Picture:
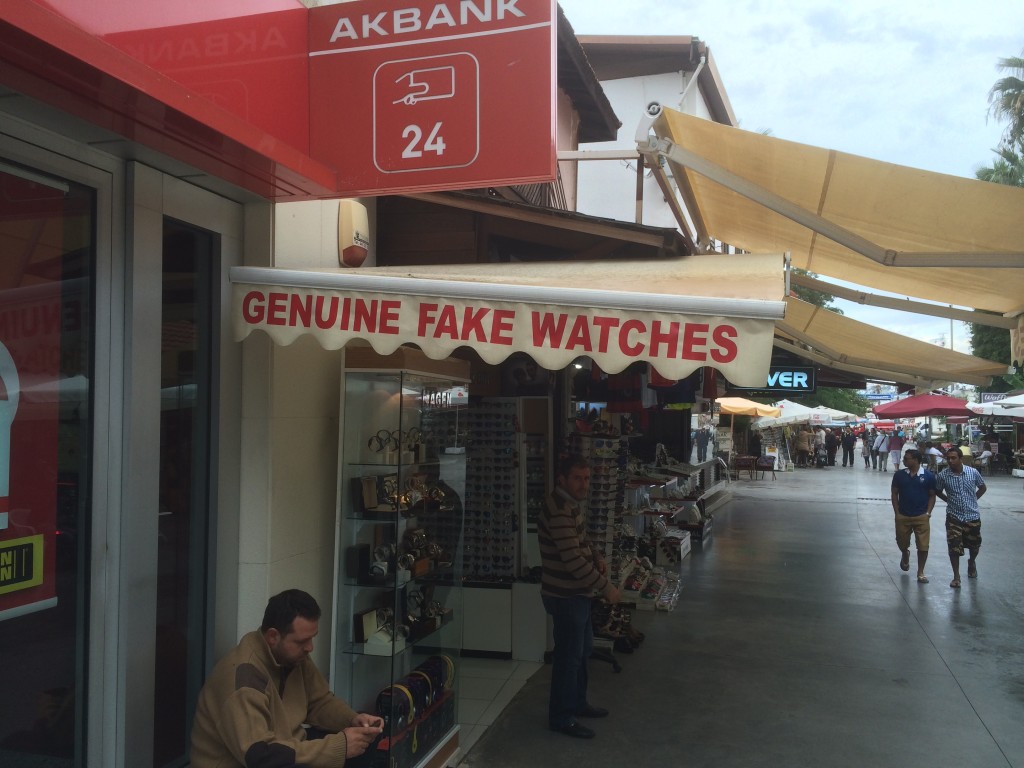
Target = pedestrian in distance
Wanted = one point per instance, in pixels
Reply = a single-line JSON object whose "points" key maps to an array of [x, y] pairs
{"points": [[804, 446], [831, 446], [703, 438], [848, 442], [895, 450], [865, 450], [882, 451], [961, 487], [755, 443], [913, 496]]}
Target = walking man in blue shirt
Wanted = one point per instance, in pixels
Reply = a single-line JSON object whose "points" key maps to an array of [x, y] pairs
{"points": [[961, 487], [913, 496]]}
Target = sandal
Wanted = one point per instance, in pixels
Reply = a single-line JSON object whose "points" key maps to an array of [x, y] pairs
{"points": [[905, 562], [972, 573], [922, 579], [955, 583]]}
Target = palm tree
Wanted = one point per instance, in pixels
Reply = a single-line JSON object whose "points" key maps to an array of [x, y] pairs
{"points": [[1007, 168], [1006, 100]]}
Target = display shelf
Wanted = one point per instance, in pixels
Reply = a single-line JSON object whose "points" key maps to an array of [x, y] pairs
{"points": [[397, 646], [398, 618]]}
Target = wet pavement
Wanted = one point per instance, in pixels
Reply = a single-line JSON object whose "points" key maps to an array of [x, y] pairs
{"points": [[798, 641]]}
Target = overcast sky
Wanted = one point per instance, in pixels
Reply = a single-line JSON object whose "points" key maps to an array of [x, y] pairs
{"points": [[906, 81]]}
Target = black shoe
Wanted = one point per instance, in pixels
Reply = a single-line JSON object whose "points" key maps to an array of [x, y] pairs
{"points": [[591, 711], [574, 729]]}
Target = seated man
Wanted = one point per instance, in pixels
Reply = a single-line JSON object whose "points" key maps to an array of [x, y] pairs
{"points": [[933, 455], [251, 710]]}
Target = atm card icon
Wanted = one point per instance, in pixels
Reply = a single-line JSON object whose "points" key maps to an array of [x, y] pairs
{"points": [[427, 85], [426, 113]]}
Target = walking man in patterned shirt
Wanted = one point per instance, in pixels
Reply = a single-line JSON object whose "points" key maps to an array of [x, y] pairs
{"points": [[572, 571], [961, 487]]}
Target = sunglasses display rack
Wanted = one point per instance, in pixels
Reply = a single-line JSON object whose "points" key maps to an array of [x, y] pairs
{"points": [[400, 600], [607, 457], [492, 482]]}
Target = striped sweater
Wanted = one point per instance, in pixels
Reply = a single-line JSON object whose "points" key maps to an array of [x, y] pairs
{"points": [[568, 562]]}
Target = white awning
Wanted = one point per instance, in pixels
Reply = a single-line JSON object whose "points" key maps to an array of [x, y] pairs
{"points": [[677, 314]]}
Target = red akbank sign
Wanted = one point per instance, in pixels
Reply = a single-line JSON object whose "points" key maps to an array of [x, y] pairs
{"points": [[408, 95], [552, 335]]}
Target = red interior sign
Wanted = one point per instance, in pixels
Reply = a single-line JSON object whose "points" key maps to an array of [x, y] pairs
{"points": [[417, 95]]}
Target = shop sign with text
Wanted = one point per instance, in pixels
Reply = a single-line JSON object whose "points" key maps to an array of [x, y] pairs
{"points": [[552, 335], [417, 95], [785, 379]]}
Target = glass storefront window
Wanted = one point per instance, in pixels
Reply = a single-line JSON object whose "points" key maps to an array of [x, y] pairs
{"points": [[46, 266], [47, 261], [189, 266]]}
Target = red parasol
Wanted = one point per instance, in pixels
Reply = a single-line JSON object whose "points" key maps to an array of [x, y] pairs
{"points": [[923, 405]]}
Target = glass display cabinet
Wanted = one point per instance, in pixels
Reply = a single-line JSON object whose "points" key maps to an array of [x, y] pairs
{"points": [[398, 618]]}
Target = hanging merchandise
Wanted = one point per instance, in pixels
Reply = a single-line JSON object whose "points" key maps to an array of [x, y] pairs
{"points": [[678, 394], [625, 392]]}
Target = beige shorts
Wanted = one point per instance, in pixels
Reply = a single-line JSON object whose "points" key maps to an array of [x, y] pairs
{"points": [[919, 525]]}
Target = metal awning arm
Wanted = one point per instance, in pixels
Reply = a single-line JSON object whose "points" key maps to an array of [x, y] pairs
{"points": [[904, 305]]}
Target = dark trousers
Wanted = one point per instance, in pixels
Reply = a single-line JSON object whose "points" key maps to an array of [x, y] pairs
{"points": [[574, 641], [874, 459], [847, 455]]}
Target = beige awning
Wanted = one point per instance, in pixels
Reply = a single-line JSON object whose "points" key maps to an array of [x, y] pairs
{"points": [[677, 314], [851, 218], [849, 345]]}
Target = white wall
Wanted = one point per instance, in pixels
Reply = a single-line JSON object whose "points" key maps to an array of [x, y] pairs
{"points": [[290, 426], [608, 187]]}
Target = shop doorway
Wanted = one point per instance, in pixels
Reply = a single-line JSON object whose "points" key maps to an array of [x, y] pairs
{"points": [[189, 266]]}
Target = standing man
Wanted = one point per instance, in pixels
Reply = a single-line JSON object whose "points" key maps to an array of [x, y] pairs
{"points": [[849, 442], [571, 572], [804, 446], [881, 448], [831, 445], [254, 703], [703, 437], [754, 445], [961, 487], [895, 449], [913, 496]]}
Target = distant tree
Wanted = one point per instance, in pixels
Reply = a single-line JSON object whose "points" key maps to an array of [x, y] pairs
{"points": [[840, 399], [1006, 100], [1007, 168], [994, 344], [811, 296]]}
